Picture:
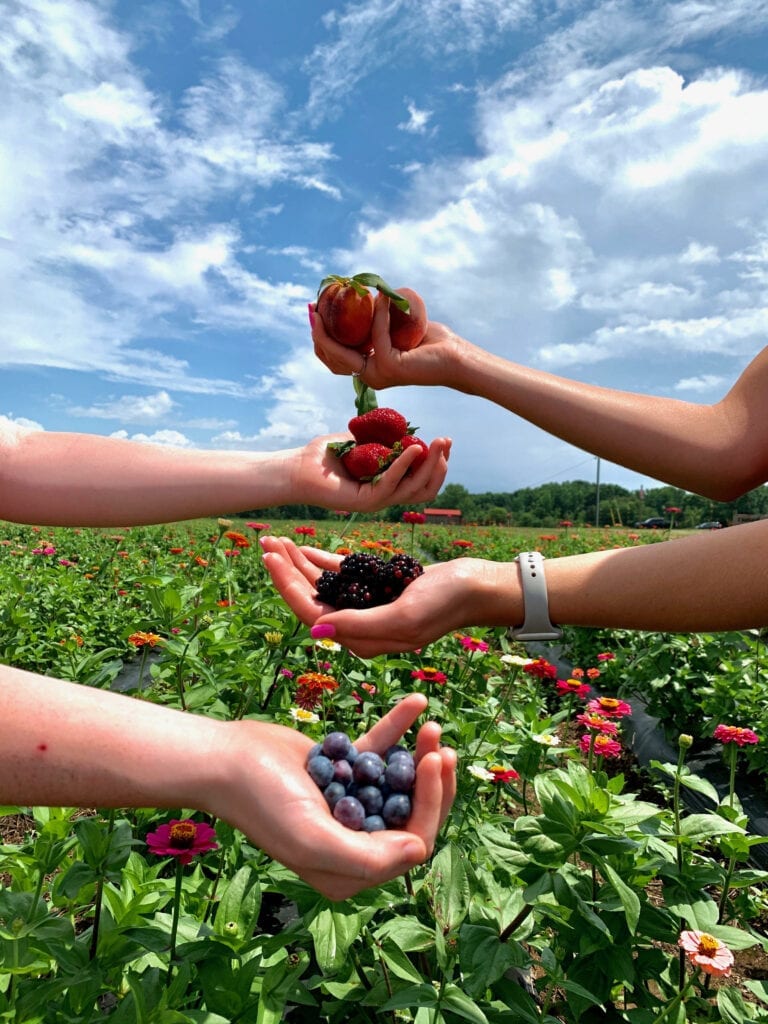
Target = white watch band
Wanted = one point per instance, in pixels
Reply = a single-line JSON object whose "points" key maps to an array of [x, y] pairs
{"points": [[536, 624]]}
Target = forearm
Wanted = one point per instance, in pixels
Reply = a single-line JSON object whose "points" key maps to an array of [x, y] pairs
{"points": [[688, 445], [66, 479], [64, 744], [694, 584]]}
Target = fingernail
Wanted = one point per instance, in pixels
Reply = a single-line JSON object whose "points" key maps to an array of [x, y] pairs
{"points": [[322, 631], [311, 311]]}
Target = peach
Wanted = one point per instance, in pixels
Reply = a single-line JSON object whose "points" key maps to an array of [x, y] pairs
{"points": [[407, 330], [347, 312]]}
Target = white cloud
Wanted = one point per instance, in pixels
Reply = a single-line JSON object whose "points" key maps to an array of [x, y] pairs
{"points": [[418, 120], [172, 438], [130, 408], [703, 384]]}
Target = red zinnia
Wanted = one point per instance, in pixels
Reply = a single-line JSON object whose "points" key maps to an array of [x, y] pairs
{"points": [[541, 668], [310, 689], [305, 531], [574, 686], [472, 644], [606, 656], [414, 517], [503, 774], [430, 675], [258, 526], [463, 544], [182, 839], [142, 639]]}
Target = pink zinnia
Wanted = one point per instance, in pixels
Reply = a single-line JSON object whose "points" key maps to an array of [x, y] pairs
{"points": [[574, 686], [736, 734], [707, 952], [182, 839], [597, 722], [472, 644], [610, 707], [258, 526], [606, 656], [414, 517], [604, 746]]}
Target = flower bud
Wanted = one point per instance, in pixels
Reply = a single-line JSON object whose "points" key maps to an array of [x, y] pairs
{"points": [[684, 741]]}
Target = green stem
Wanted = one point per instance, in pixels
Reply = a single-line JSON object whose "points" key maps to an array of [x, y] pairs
{"points": [[175, 921], [732, 779], [98, 898]]}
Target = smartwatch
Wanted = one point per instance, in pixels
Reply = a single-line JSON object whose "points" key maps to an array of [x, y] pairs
{"points": [[536, 624]]}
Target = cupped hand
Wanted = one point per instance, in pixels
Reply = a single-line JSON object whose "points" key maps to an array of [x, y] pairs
{"points": [[434, 361], [269, 796], [320, 478], [442, 599]]}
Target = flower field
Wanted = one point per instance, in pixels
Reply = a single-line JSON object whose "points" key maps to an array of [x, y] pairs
{"points": [[567, 886]]}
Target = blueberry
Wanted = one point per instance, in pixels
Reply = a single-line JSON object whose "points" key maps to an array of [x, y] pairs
{"points": [[401, 755], [352, 754], [368, 768], [321, 770], [400, 775], [350, 812], [333, 792], [314, 751], [336, 745], [342, 772], [391, 751], [371, 799], [396, 811], [374, 823]]}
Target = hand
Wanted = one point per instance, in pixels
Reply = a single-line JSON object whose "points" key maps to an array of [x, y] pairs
{"points": [[435, 361], [448, 596], [268, 794], [320, 478]]}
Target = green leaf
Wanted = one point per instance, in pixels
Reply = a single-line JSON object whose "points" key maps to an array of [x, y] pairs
{"points": [[374, 281], [458, 1002], [239, 906], [629, 898], [733, 1009], [399, 964], [704, 826], [408, 934], [365, 397], [450, 888], [484, 958], [333, 931]]}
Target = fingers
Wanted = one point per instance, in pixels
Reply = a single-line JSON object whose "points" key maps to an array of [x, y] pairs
{"points": [[399, 486], [389, 730]]}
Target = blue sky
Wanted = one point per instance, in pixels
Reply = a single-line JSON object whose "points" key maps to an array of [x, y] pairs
{"points": [[579, 186]]}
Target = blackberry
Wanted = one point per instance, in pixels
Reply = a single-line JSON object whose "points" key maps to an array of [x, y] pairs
{"points": [[359, 594], [399, 571], [327, 586], [361, 566]]}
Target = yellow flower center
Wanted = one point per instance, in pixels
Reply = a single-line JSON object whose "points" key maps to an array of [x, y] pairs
{"points": [[182, 835], [708, 944], [609, 702]]}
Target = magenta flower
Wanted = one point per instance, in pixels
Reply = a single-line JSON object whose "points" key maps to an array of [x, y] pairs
{"points": [[597, 722], [182, 839], [574, 686], [602, 744], [735, 734], [414, 517], [610, 707], [472, 644]]}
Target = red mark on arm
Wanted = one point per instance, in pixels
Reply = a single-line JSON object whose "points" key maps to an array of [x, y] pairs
{"points": [[42, 746]]}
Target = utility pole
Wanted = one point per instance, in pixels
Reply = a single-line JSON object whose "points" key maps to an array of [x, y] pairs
{"points": [[597, 494]]}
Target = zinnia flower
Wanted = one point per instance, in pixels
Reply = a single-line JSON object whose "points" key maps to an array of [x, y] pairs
{"points": [[301, 715], [546, 739], [258, 526], [574, 686], [501, 775], [604, 746], [515, 659], [310, 688], [414, 517], [305, 531], [182, 839], [593, 673], [606, 656], [542, 669], [472, 644], [707, 952], [610, 707], [142, 639], [463, 544], [480, 773], [597, 722], [428, 674], [238, 539], [735, 734]]}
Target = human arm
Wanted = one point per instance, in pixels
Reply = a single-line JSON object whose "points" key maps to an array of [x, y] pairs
{"points": [[64, 744], [691, 584], [61, 479], [718, 450]]}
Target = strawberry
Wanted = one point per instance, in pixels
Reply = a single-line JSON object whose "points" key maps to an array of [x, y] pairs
{"points": [[366, 461], [407, 442], [383, 425]]}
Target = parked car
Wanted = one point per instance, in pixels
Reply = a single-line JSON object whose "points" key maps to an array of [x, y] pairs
{"points": [[654, 523], [710, 526]]}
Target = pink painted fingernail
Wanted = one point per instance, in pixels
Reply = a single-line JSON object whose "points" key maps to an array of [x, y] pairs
{"points": [[322, 631], [311, 311]]}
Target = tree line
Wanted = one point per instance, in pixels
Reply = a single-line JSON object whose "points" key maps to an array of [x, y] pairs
{"points": [[550, 504]]}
